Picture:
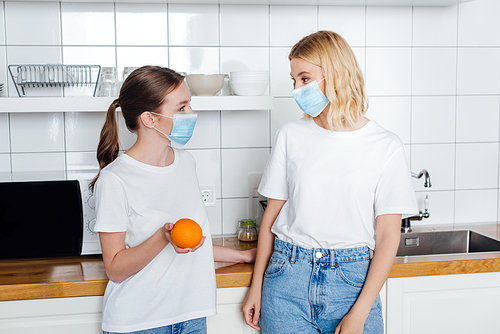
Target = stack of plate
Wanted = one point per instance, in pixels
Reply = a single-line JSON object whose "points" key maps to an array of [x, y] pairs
{"points": [[249, 83], [1, 88]]}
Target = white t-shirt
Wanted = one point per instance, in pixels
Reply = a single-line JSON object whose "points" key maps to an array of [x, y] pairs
{"points": [[336, 183], [138, 199]]}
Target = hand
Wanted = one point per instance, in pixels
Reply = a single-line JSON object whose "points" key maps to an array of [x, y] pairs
{"points": [[251, 308], [249, 255], [351, 324], [167, 228]]}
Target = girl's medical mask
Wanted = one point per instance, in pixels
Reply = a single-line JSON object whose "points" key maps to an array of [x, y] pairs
{"points": [[310, 98], [183, 127]]}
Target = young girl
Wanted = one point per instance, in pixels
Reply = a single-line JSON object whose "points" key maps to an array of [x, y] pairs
{"points": [[338, 185], [155, 286]]}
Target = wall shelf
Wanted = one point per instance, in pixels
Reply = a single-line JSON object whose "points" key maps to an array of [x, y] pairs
{"points": [[101, 104]]}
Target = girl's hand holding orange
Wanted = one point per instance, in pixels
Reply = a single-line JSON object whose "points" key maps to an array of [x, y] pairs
{"points": [[185, 235]]}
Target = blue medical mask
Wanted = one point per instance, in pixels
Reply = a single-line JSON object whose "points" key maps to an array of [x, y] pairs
{"points": [[183, 127], [310, 98]]}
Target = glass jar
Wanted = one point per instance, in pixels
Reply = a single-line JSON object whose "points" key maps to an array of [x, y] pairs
{"points": [[247, 230]]}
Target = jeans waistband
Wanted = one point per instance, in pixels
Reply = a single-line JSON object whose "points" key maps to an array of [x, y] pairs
{"points": [[320, 254]]}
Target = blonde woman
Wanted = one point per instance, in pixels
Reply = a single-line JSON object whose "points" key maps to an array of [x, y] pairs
{"points": [[338, 185]]}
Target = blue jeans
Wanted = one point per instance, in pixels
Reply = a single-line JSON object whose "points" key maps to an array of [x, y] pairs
{"points": [[311, 290], [195, 326]]}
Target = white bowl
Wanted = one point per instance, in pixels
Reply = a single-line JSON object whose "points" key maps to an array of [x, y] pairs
{"points": [[205, 84], [248, 88]]}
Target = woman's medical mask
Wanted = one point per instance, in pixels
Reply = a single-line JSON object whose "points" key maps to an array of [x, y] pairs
{"points": [[183, 127], [310, 98]]}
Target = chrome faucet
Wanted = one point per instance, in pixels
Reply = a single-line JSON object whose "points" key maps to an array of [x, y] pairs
{"points": [[406, 222]]}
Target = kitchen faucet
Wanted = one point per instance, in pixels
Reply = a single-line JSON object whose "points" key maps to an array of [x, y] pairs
{"points": [[406, 222]]}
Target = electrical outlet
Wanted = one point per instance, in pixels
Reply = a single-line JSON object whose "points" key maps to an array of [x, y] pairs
{"points": [[207, 194]]}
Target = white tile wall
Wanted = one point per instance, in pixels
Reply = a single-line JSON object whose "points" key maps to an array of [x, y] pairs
{"points": [[432, 75]]}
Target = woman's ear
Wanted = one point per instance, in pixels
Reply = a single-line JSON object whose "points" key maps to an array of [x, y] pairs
{"points": [[147, 119]]}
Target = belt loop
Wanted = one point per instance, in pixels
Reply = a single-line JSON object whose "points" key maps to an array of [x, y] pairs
{"points": [[294, 251], [332, 258]]}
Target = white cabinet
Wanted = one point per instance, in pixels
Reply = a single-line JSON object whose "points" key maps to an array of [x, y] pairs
{"points": [[82, 315], [78, 315], [229, 318], [456, 304]]}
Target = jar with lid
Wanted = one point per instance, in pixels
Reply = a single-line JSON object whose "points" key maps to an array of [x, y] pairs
{"points": [[247, 230]]}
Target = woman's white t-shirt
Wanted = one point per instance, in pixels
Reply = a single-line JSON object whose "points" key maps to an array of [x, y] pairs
{"points": [[336, 183], [138, 199]]}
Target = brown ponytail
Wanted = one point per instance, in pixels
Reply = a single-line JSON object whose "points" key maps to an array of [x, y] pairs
{"points": [[144, 89]]}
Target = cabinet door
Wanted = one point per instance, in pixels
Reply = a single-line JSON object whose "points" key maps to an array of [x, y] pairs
{"points": [[229, 318], [78, 315], [444, 304]]}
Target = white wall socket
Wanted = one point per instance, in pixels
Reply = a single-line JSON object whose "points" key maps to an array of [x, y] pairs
{"points": [[208, 196]]}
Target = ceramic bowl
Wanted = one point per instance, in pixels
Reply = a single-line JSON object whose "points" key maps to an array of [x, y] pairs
{"points": [[205, 84]]}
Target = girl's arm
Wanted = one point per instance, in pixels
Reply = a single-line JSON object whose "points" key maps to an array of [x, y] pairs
{"points": [[226, 254], [386, 247], [265, 247], [120, 262]]}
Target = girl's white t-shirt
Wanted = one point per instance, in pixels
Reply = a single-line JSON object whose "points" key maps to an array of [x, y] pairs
{"points": [[138, 199], [336, 183]]}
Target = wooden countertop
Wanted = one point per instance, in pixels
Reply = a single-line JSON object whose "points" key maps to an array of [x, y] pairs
{"points": [[85, 276]]}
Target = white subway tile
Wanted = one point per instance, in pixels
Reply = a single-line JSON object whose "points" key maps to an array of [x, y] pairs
{"points": [[208, 169], [246, 128], [88, 23], [37, 132], [18, 55], [478, 71], [234, 210], [285, 110], [238, 167], [289, 24], [244, 25], [360, 54], [194, 60], [5, 76], [2, 26], [4, 133], [347, 21], [5, 175], [439, 161], [433, 119], [388, 26], [207, 131], [90, 55], [193, 25], [435, 26], [81, 165], [281, 82], [476, 206], [215, 217], [393, 114], [83, 130], [140, 56], [434, 71], [477, 166], [127, 138], [32, 23], [38, 166], [141, 24], [441, 208], [244, 59], [477, 118], [478, 23], [388, 71]]}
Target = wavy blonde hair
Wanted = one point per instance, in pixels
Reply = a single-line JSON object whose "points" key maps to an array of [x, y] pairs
{"points": [[345, 87]]}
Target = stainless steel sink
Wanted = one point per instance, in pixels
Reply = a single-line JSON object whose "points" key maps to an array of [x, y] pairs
{"points": [[446, 242]]}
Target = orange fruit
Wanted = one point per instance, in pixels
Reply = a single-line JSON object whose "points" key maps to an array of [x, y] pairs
{"points": [[186, 233]]}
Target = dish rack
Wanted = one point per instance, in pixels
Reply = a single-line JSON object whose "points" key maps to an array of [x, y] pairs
{"points": [[57, 75]]}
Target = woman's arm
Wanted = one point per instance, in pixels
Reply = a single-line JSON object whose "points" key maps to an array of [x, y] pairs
{"points": [[120, 262], [265, 247], [386, 247], [226, 254]]}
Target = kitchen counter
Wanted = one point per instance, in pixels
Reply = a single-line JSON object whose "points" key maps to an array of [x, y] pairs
{"points": [[85, 276]]}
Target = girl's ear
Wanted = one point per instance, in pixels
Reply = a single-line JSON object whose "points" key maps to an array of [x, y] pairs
{"points": [[147, 119]]}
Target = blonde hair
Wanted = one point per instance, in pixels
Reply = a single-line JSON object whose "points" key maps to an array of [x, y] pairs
{"points": [[345, 87]]}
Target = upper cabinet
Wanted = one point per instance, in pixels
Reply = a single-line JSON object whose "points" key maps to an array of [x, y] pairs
{"points": [[435, 3]]}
